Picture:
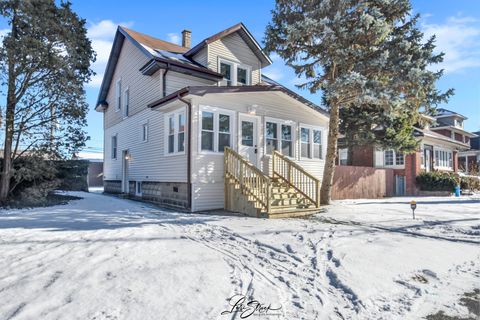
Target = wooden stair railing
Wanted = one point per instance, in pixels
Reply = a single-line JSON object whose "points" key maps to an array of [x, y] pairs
{"points": [[297, 177], [252, 181]]}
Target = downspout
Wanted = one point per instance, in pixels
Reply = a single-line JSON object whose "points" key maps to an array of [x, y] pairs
{"points": [[189, 151], [164, 82]]}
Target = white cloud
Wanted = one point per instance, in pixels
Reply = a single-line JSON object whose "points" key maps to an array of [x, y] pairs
{"points": [[101, 34], [274, 73], [174, 38], [459, 39]]}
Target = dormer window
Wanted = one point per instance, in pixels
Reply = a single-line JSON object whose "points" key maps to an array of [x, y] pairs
{"points": [[234, 74], [226, 71]]}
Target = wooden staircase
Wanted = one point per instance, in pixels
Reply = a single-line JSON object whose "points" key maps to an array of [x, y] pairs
{"points": [[290, 192]]}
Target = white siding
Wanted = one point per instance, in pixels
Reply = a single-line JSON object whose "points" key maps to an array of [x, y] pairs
{"points": [[232, 47], [202, 57], [176, 81], [143, 89], [148, 162], [207, 169]]}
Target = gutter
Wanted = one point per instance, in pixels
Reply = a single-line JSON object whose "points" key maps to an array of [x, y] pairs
{"points": [[189, 150], [164, 81]]}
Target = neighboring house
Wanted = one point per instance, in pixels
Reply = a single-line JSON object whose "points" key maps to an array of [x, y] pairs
{"points": [[170, 111], [438, 151], [469, 161]]}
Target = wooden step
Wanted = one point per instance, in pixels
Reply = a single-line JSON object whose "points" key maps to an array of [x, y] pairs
{"points": [[297, 213]]}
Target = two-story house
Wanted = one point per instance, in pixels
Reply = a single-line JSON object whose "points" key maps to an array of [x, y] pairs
{"points": [[202, 128], [469, 161], [438, 150]]}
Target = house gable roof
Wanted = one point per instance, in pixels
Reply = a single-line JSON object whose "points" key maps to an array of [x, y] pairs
{"points": [[162, 54], [246, 36]]}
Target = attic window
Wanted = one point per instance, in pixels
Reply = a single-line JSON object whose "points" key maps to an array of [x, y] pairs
{"points": [[226, 71], [234, 74]]}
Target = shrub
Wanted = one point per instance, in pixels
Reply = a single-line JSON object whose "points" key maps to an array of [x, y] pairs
{"points": [[470, 183], [437, 181]]}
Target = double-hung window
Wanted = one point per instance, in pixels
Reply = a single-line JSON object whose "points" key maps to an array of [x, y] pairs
{"points": [[126, 102], [317, 144], [389, 158], [393, 158], [234, 73], [305, 142], [311, 142], [287, 140], [216, 128], [118, 95], [114, 147], [279, 136], [271, 136], [175, 132]]}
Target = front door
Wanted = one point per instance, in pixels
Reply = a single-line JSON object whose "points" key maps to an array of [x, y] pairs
{"points": [[125, 182], [428, 158], [248, 144]]}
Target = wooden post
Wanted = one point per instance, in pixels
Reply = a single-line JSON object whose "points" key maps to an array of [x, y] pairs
{"points": [[289, 173], [225, 187], [273, 163], [269, 192], [318, 194]]}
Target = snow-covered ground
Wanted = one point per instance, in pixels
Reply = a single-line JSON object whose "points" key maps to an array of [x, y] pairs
{"points": [[107, 258]]}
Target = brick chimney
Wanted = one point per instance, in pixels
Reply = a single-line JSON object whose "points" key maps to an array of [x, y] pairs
{"points": [[186, 35]]}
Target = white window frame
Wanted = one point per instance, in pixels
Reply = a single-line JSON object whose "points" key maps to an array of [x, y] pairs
{"points": [[114, 155], [144, 132], [137, 184], [444, 160], [175, 114], [216, 112], [395, 164], [322, 144], [126, 102], [235, 66], [118, 95], [279, 123]]}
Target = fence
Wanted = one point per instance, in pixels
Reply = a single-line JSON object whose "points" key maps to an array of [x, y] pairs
{"points": [[351, 182]]}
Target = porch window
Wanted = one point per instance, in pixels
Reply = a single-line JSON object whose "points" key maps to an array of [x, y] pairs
{"points": [[223, 131], [181, 132], [216, 129], [444, 159], [287, 140], [317, 144], [171, 134], [305, 142], [272, 137], [114, 147], [207, 131], [175, 129]]}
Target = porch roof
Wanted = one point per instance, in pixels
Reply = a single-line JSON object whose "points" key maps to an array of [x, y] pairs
{"points": [[436, 136], [203, 90]]}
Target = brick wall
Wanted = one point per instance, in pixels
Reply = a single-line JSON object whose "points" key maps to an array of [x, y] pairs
{"points": [[444, 132], [458, 137], [412, 169], [362, 156]]}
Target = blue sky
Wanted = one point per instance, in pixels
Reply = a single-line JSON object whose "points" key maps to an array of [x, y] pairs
{"points": [[456, 24]]}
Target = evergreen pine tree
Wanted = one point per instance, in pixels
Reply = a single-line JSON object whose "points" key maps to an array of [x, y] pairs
{"points": [[367, 59]]}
